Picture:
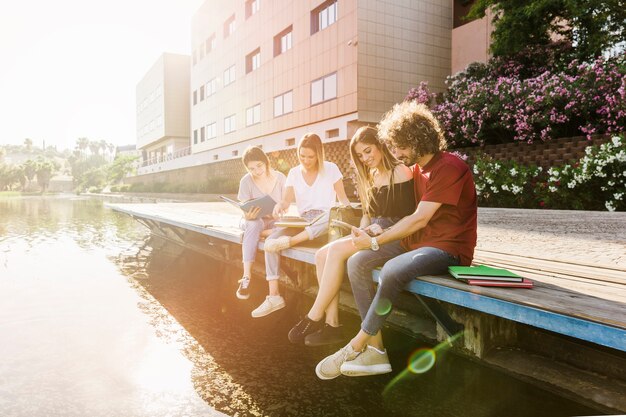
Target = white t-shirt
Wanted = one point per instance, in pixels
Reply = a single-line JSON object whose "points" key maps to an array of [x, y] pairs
{"points": [[319, 196]]}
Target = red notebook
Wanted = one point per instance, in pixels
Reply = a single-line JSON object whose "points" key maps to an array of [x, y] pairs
{"points": [[526, 283]]}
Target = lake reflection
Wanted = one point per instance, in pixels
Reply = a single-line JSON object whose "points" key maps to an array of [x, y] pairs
{"points": [[99, 319]]}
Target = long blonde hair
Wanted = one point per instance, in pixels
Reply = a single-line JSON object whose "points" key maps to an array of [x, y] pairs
{"points": [[313, 142], [368, 135]]}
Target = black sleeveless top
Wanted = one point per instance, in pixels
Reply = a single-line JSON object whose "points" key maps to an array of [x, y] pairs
{"points": [[398, 203]]}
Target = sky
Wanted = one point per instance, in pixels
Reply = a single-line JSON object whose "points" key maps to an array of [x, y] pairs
{"points": [[69, 68]]}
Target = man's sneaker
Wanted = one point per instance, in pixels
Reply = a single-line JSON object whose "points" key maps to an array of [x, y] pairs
{"points": [[369, 362], [327, 335], [271, 304], [330, 366], [243, 292], [276, 245], [305, 327]]}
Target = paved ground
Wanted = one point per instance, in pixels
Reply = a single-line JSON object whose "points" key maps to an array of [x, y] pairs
{"points": [[577, 237]]}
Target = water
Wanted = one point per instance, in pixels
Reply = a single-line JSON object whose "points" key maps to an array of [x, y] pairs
{"points": [[99, 319]]}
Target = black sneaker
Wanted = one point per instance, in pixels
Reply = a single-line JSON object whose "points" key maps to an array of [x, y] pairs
{"points": [[243, 292], [303, 328], [327, 335]]}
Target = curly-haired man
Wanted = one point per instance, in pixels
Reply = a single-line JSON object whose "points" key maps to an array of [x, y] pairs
{"points": [[441, 232]]}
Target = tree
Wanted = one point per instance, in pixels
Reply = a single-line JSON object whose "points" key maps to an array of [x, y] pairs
{"points": [[45, 169], [94, 147], [28, 144], [30, 169], [591, 26], [82, 144], [120, 167]]}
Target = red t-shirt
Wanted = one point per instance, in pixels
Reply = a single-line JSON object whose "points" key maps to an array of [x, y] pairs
{"points": [[447, 180]]}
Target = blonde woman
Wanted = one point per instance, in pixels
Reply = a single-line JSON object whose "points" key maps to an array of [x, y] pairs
{"points": [[260, 180], [314, 185], [386, 190]]}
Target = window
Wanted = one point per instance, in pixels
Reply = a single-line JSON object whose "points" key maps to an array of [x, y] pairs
{"points": [[229, 124], [323, 16], [202, 134], [253, 60], [324, 89], [201, 93], [253, 115], [211, 131], [229, 26], [332, 133], [195, 137], [283, 104], [210, 43], [282, 41], [252, 6], [195, 97], [229, 75], [211, 87]]}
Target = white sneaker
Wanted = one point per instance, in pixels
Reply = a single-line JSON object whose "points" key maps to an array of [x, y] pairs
{"points": [[369, 362], [271, 304], [330, 366], [276, 245]]}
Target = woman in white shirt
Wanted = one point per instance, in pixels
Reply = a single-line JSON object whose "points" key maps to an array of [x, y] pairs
{"points": [[260, 180], [314, 185]]}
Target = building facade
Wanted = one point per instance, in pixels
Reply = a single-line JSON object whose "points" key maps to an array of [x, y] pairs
{"points": [[163, 110], [267, 72]]}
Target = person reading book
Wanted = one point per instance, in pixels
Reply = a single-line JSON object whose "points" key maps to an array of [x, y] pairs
{"points": [[314, 185], [260, 180], [440, 233], [385, 187]]}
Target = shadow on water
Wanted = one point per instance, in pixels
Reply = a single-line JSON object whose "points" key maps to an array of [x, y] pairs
{"points": [[247, 366]]}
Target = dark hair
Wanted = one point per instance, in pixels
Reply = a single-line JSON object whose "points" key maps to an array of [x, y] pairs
{"points": [[254, 153]]}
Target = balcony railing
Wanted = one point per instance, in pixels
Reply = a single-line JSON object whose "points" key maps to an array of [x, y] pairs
{"points": [[167, 157]]}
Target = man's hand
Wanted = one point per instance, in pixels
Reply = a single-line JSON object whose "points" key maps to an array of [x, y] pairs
{"points": [[373, 229], [360, 239], [253, 213]]}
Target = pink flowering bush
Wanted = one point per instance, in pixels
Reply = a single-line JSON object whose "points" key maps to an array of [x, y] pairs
{"points": [[536, 95]]}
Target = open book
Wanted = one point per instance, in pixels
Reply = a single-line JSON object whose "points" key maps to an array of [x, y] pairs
{"points": [[307, 219], [265, 203]]}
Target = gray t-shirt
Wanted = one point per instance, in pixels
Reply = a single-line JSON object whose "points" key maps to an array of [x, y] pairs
{"points": [[248, 189]]}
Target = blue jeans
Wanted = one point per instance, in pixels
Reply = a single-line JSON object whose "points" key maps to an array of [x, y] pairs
{"points": [[399, 268]]}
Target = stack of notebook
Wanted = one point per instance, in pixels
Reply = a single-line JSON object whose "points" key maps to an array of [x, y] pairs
{"points": [[489, 277]]}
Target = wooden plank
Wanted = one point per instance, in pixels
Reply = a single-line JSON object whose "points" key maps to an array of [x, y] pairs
{"points": [[581, 294], [602, 334]]}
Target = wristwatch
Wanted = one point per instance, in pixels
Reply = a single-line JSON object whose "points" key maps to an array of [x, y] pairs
{"points": [[374, 244]]}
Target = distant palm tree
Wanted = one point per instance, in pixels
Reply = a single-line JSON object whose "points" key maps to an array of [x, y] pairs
{"points": [[94, 147], [82, 144], [28, 143]]}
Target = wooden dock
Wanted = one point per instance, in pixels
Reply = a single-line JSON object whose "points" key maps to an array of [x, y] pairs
{"points": [[582, 302]]}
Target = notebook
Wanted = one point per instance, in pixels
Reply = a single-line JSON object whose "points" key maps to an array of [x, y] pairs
{"points": [[525, 283], [307, 219], [265, 203], [484, 272]]}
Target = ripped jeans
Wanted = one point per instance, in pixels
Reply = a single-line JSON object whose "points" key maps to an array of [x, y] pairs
{"points": [[399, 268]]}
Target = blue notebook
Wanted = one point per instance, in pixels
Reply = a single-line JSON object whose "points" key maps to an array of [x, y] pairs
{"points": [[265, 203]]}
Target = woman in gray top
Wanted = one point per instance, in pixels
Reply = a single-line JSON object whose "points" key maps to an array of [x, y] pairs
{"points": [[260, 180]]}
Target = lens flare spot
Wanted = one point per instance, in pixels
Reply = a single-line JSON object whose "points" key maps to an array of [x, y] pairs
{"points": [[422, 361], [383, 307]]}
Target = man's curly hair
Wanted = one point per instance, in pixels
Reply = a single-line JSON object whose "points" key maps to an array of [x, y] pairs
{"points": [[412, 125]]}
